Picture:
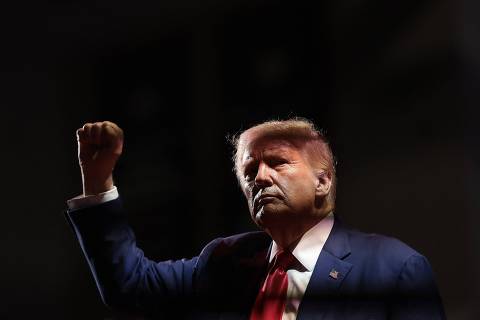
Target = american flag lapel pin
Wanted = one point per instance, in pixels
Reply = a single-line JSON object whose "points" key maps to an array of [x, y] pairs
{"points": [[334, 274]]}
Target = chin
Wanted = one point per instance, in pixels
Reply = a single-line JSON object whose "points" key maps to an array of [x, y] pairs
{"points": [[267, 218]]}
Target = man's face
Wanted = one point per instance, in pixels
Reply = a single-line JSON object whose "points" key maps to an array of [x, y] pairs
{"points": [[278, 182]]}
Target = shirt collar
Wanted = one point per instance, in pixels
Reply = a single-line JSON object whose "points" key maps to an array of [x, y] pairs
{"points": [[311, 243]]}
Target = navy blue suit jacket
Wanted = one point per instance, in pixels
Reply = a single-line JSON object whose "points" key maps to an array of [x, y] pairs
{"points": [[378, 277]]}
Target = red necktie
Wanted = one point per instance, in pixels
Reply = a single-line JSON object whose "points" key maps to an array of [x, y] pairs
{"points": [[271, 299]]}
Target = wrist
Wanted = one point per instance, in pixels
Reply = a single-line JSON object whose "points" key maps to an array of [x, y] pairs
{"points": [[91, 188]]}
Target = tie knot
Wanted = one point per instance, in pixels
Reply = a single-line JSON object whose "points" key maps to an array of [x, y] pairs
{"points": [[284, 260]]}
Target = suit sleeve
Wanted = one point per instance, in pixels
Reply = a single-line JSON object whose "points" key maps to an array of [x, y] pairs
{"points": [[125, 278], [417, 296]]}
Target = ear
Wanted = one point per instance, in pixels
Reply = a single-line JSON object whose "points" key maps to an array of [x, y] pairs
{"points": [[324, 183]]}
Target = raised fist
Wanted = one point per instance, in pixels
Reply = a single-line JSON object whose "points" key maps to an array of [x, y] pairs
{"points": [[100, 145]]}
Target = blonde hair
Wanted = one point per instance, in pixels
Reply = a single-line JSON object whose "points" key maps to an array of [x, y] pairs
{"points": [[302, 133]]}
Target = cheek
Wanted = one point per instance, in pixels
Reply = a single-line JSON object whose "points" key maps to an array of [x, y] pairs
{"points": [[300, 189]]}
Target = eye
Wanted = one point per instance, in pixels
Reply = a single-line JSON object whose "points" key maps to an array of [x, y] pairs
{"points": [[278, 162], [250, 173]]}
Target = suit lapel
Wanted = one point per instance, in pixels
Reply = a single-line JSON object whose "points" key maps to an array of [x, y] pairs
{"points": [[328, 275]]}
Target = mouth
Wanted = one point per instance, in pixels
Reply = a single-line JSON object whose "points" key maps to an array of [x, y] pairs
{"points": [[263, 199]]}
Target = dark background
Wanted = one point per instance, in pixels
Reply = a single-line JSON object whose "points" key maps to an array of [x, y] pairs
{"points": [[395, 84]]}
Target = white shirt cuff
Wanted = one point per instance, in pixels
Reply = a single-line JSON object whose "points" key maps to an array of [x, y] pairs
{"points": [[81, 201]]}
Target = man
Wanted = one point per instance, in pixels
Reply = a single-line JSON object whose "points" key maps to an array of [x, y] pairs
{"points": [[304, 264]]}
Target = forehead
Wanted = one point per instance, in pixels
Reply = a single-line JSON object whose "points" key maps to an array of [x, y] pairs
{"points": [[257, 148]]}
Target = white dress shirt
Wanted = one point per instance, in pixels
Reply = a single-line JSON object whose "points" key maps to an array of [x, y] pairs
{"points": [[306, 251], [82, 201]]}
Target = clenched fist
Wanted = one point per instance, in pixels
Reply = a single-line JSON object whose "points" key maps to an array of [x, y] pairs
{"points": [[100, 144]]}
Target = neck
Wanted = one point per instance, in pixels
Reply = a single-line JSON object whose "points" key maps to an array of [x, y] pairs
{"points": [[288, 236]]}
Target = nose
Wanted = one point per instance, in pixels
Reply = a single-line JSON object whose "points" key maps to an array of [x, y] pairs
{"points": [[263, 178]]}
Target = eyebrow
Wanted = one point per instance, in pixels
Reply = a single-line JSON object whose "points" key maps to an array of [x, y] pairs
{"points": [[276, 153]]}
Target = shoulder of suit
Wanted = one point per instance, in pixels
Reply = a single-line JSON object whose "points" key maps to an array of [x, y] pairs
{"points": [[380, 246], [238, 244], [222, 254]]}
